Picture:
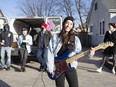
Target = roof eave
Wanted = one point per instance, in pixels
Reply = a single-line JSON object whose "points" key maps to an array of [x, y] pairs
{"points": [[112, 10], [90, 12]]}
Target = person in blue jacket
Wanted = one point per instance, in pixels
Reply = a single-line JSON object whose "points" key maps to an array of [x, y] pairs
{"points": [[65, 44]]}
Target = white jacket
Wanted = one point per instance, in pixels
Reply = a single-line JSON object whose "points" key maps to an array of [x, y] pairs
{"points": [[28, 42]]}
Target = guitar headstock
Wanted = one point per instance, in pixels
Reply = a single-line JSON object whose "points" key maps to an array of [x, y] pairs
{"points": [[105, 45]]}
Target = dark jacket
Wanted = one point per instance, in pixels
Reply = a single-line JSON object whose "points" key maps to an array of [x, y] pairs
{"points": [[108, 38], [46, 38], [8, 37], [114, 41], [0, 35]]}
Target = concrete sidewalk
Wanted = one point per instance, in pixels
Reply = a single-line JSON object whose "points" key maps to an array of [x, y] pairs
{"points": [[87, 75]]}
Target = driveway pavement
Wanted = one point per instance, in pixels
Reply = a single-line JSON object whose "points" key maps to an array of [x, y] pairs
{"points": [[87, 75]]}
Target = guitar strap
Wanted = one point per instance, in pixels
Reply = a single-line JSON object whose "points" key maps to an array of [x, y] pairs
{"points": [[59, 44]]}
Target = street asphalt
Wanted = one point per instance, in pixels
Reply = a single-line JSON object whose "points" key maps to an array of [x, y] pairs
{"points": [[87, 75]]}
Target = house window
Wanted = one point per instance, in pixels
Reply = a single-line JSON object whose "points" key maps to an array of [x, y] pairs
{"points": [[96, 6], [91, 28], [102, 27]]}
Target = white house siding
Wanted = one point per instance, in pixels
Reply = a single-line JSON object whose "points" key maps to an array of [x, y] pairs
{"points": [[96, 17]]}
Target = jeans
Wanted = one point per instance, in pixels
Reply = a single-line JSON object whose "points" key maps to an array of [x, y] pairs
{"points": [[42, 57], [7, 51], [71, 77], [114, 60]]}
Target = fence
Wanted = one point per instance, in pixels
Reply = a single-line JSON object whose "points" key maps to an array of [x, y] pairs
{"points": [[84, 38]]}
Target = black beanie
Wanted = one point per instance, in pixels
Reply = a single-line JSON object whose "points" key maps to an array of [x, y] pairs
{"points": [[68, 18], [24, 29]]}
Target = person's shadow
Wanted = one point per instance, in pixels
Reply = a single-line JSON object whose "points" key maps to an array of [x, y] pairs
{"points": [[4, 84]]}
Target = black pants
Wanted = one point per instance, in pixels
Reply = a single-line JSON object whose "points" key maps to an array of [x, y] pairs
{"points": [[114, 60], [23, 55], [105, 58], [71, 77]]}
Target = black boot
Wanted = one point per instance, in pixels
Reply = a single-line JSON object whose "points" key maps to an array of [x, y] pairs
{"points": [[23, 69], [45, 70], [40, 68]]}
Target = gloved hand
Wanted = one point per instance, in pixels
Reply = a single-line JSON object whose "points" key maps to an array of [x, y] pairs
{"points": [[2, 43]]}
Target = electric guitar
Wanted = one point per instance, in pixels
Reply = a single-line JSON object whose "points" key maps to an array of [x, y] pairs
{"points": [[62, 65]]}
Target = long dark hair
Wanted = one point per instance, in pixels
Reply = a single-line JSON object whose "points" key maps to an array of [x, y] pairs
{"points": [[67, 39]]}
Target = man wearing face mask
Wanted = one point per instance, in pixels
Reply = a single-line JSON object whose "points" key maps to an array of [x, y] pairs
{"points": [[42, 42], [24, 45], [7, 41]]}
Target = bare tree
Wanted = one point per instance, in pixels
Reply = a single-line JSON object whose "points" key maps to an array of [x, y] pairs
{"points": [[65, 7], [26, 7], [82, 10], [50, 8], [37, 7], [76, 8]]}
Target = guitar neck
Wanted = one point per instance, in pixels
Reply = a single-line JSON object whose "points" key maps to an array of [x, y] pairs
{"points": [[80, 55]]}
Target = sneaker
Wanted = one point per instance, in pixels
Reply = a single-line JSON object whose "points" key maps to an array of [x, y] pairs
{"points": [[113, 71], [23, 69], [99, 70], [40, 69]]}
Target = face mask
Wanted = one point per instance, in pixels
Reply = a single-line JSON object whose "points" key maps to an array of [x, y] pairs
{"points": [[6, 29], [42, 29]]}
